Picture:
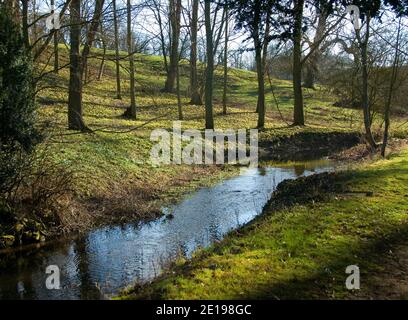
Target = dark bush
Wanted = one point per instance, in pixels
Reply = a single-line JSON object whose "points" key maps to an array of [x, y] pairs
{"points": [[18, 134]]}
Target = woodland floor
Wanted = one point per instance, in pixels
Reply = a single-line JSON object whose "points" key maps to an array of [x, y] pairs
{"points": [[391, 283]]}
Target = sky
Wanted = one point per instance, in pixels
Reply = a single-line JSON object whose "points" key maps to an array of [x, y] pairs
{"points": [[145, 23]]}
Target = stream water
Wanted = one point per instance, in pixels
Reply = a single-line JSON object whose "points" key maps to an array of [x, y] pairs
{"points": [[108, 259]]}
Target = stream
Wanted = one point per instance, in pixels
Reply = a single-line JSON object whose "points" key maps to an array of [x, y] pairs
{"points": [[108, 259]]}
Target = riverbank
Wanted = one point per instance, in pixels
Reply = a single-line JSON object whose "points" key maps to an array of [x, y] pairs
{"points": [[300, 247], [109, 195], [115, 256]]}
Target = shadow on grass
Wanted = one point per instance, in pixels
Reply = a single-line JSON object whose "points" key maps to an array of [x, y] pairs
{"points": [[328, 282]]}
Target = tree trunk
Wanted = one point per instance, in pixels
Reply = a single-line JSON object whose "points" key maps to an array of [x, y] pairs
{"points": [[209, 117], [15, 8], [175, 14], [131, 112], [312, 65], [179, 106], [56, 52], [117, 56], [195, 92], [394, 75], [311, 73], [25, 24], [75, 121], [365, 97], [260, 50], [261, 85], [78, 63], [34, 22], [102, 66], [157, 13], [265, 45], [298, 117], [224, 97], [91, 34]]}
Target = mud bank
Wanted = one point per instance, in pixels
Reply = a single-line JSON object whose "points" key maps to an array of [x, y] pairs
{"points": [[307, 145]]}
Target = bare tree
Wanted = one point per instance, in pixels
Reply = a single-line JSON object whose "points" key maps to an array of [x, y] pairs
{"points": [[117, 56], [224, 97], [174, 17], [131, 111], [363, 44], [209, 117], [312, 64], [195, 92], [102, 65], [56, 41], [261, 47], [92, 31], [298, 115], [179, 106], [78, 62], [157, 8], [394, 75], [75, 120], [38, 51]]}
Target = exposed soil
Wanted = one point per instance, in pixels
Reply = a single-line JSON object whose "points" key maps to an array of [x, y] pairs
{"points": [[135, 200], [306, 189], [390, 283], [307, 146], [361, 152]]}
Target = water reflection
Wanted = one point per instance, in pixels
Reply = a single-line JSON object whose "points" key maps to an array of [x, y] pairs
{"points": [[110, 259]]}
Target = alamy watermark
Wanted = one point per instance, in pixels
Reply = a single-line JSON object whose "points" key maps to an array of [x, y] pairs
{"points": [[53, 281], [353, 281], [354, 11], [194, 147], [53, 20]]}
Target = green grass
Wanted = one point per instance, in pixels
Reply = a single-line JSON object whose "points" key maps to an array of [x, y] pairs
{"points": [[302, 251]]}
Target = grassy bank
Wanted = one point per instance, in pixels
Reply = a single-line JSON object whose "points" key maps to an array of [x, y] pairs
{"points": [[302, 250]]}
